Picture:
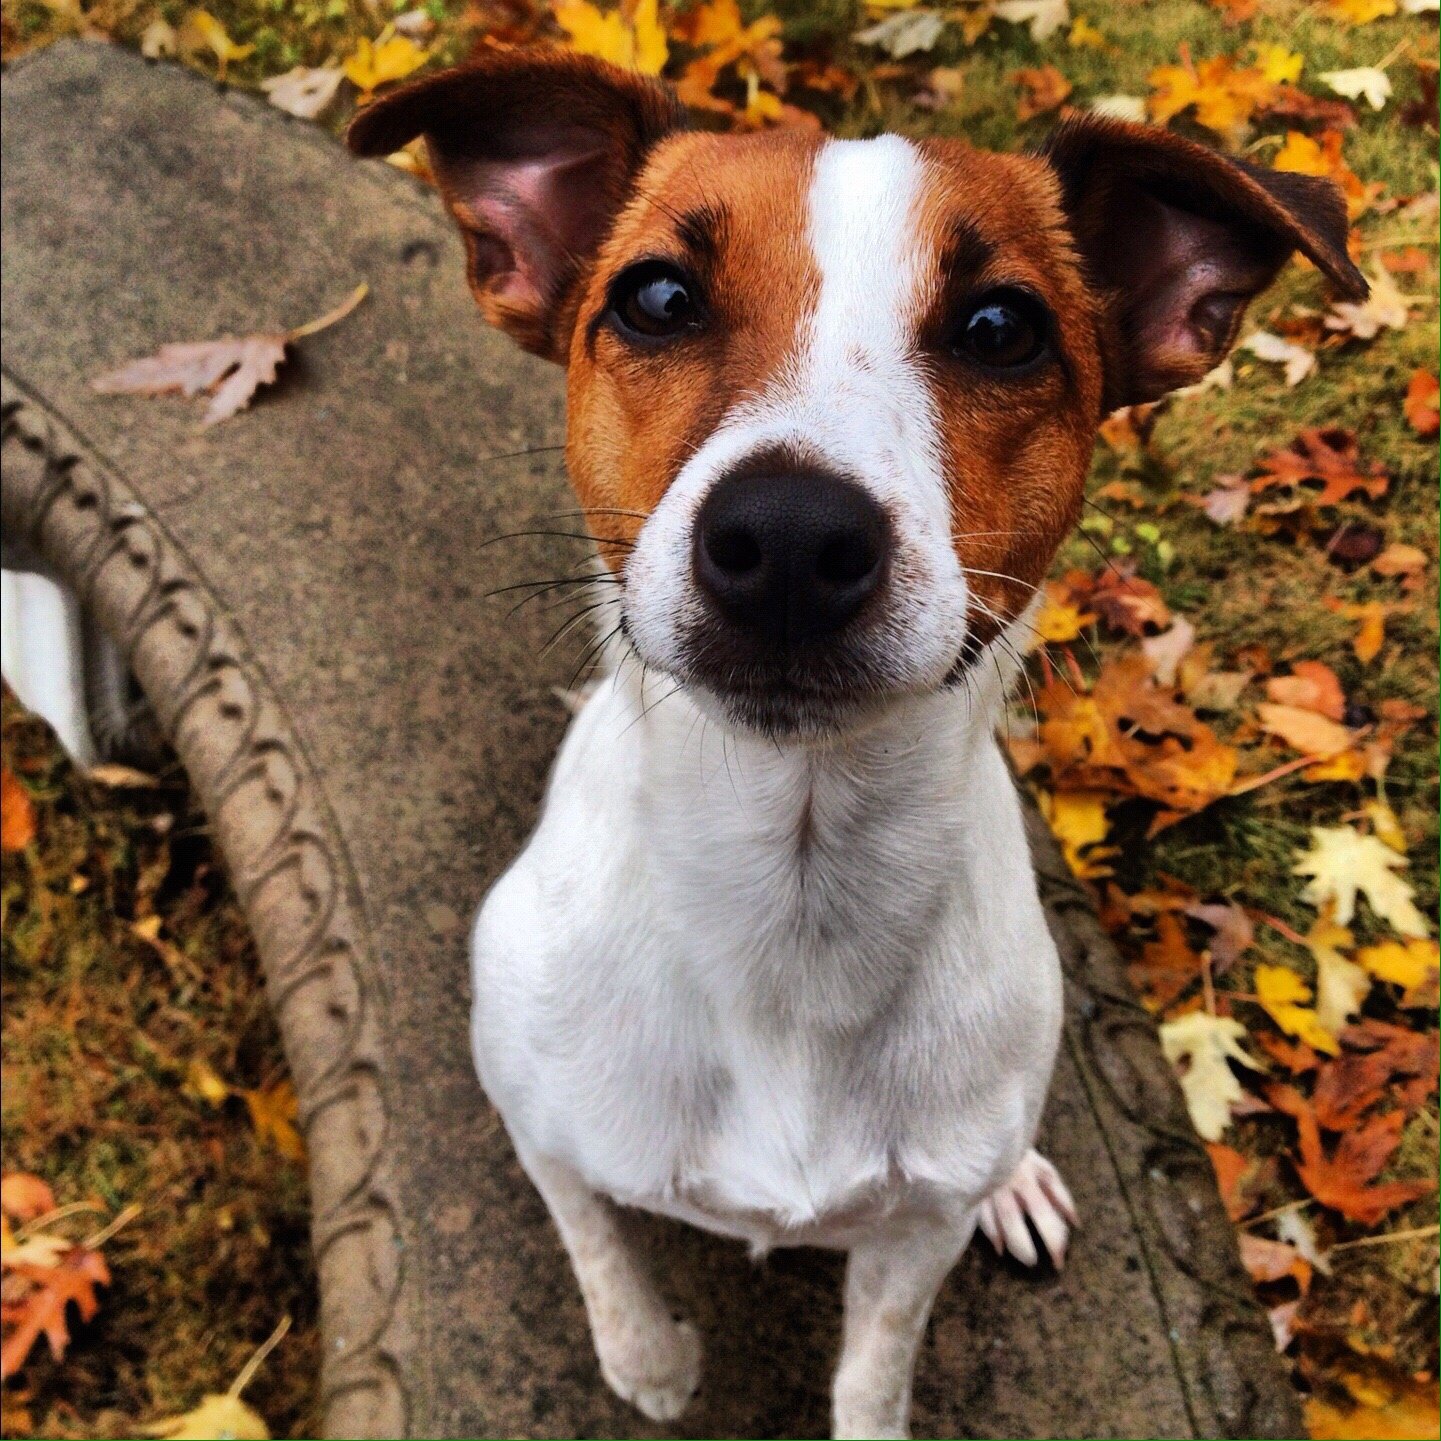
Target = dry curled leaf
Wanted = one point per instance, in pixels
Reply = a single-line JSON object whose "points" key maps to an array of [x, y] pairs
{"points": [[230, 370]]}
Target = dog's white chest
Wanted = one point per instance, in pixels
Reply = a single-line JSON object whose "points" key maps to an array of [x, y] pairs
{"points": [[727, 990]]}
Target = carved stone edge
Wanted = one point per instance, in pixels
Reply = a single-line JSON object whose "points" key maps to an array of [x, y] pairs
{"points": [[288, 862], [1221, 1343]]}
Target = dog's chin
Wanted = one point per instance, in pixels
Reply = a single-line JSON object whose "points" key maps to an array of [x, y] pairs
{"points": [[785, 711]]}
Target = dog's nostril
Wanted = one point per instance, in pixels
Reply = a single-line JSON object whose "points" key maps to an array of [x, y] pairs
{"points": [[734, 549], [847, 558]]}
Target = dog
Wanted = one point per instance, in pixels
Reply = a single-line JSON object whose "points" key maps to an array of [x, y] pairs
{"points": [[773, 961]]}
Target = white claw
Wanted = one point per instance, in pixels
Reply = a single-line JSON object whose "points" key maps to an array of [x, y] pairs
{"points": [[1036, 1193]]}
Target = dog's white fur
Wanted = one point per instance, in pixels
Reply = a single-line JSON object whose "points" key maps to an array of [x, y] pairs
{"points": [[796, 992]]}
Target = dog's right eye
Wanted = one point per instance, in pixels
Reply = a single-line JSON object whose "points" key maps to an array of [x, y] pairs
{"points": [[654, 300]]}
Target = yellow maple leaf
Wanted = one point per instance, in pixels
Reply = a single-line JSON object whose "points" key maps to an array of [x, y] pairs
{"points": [[1402, 963], [1200, 1046], [1279, 65], [1059, 620], [1223, 95], [637, 43], [201, 30], [382, 61], [1341, 985], [1283, 996], [216, 1415], [1085, 35], [273, 1110], [1078, 820], [1305, 156]]}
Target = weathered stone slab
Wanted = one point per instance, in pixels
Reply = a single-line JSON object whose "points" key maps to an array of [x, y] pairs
{"points": [[301, 594]]}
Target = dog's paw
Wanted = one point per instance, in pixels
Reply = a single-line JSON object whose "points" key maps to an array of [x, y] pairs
{"points": [[654, 1367], [1036, 1193]]}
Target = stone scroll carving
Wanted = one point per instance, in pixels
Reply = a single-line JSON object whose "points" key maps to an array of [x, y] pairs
{"points": [[287, 861]]}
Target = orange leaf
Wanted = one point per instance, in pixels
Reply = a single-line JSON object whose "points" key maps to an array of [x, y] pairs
{"points": [[1042, 89], [1311, 685], [41, 1310], [1372, 634], [1304, 730], [1231, 1168], [1329, 457], [1322, 156], [17, 813], [23, 1197], [1411, 1416], [1267, 1260], [1422, 395], [1342, 1180]]}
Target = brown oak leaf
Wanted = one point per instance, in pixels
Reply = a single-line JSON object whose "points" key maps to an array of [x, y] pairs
{"points": [[1327, 457]]}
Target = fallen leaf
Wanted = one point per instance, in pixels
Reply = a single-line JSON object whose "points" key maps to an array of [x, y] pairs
{"points": [[1312, 685], [1297, 360], [303, 92], [1167, 965], [1042, 90], [1222, 95], [1200, 1046], [216, 1415], [17, 813], [273, 1110], [1413, 1416], [231, 369], [386, 59], [1400, 559], [1328, 457], [23, 1197], [1365, 82], [1233, 932], [1342, 864], [1078, 821], [41, 1310], [1421, 405], [1267, 1261], [1296, 1230], [1059, 620], [1231, 1169], [1385, 308], [200, 30], [202, 1082], [1085, 36], [1402, 963], [158, 40], [1341, 985], [1228, 502], [1377, 1053], [1372, 633], [1165, 652], [1304, 730], [1283, 996], [907, 32], [1279, 65], [1044, 17], [1360, 12], [1342, 1181], [118, 777], [1120, 107]]}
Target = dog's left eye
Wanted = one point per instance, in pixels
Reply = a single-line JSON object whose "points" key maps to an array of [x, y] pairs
{"points": [[654, 300], [1003, 330]]}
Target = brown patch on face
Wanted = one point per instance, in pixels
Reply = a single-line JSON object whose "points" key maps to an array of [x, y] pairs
{"points": [[730, 211], [1016, 445]]}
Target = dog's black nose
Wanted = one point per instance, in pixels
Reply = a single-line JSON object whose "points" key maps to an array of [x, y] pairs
{"points": [[790, 558]]}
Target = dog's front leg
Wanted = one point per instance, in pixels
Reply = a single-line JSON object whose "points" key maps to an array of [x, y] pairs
{"points": [[646, 1356], [891, 1283]]}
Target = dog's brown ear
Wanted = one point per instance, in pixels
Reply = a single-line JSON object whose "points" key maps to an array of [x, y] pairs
{"points": [[535, 153], [1177, 239]]}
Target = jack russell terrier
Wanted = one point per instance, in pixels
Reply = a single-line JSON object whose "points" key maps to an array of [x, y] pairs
{"points": [[773, 961]]}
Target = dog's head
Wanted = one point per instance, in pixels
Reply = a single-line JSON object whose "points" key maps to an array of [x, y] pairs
{"points": [[832, 401]]}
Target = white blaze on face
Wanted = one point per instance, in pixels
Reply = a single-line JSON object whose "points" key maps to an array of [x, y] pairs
{"points": [[852, 396]]}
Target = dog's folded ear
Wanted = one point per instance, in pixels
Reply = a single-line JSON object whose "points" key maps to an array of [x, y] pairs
{"points": [[535, 153], [1177, 238]]}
